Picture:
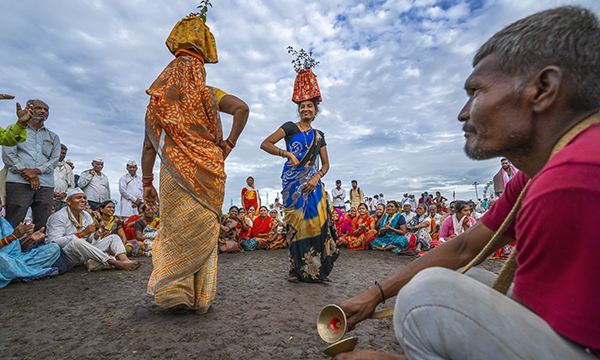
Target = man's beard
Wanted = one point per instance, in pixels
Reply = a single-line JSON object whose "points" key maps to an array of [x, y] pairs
{"points": [[517, 145], [38, 119]]}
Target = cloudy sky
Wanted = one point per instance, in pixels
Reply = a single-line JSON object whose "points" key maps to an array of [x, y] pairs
{"points": [[391, 75]]}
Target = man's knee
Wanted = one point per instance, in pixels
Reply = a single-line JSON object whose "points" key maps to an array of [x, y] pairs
{"points": [[432, 279], [80, 243]]}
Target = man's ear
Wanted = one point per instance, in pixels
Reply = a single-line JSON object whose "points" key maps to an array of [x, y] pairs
{"points": [[546, 87]]}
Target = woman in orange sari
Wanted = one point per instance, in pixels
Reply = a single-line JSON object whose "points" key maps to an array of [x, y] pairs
{"points": [[183, 127], [363, 230]]}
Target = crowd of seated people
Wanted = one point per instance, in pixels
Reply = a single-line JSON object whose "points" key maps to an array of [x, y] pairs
{"points": [[404, 229]]}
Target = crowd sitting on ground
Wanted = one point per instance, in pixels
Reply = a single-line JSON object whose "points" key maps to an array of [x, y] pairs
{"points": [[409, 227]]}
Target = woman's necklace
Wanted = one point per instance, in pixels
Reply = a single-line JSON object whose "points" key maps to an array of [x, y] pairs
{"points": [[304, 132]]}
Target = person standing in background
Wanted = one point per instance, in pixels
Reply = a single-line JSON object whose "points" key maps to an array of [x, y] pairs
{"points": [[131, 190]]}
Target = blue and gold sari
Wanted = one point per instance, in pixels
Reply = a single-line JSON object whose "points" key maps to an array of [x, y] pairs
{"points": [[312, 251]]}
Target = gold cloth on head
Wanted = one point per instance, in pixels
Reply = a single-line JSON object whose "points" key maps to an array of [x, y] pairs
{"points": [[191, 33]]}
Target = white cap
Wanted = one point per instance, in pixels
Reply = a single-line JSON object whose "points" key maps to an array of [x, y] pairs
{"points": [[98, 159], [74, 191], [131, 163]]}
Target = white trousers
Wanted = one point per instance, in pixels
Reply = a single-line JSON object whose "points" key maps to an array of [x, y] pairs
{"points": [[79, 250], [441, 314]]}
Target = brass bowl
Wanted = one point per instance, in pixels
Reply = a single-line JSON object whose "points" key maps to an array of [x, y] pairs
{"points": [[331, 323], [343, 346]]}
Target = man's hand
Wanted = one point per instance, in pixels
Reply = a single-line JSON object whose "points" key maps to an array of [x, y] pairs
{"points": [[90, 229], [6, 97], [35, 183], [151, 197], [24, 115], [361, 307], [36, 236], [28, 174], [136, 203], [22, 229], [368, 355]]}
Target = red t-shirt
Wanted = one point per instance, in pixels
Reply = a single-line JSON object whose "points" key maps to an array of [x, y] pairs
{"points": [[557, 239]]}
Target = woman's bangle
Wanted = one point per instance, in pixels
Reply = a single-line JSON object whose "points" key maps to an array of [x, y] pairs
{"points": [[78, 235], [231, 144], [380, 289], [147, 180]]}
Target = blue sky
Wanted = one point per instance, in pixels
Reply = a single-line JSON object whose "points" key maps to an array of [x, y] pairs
{"points": [[391, 74]]}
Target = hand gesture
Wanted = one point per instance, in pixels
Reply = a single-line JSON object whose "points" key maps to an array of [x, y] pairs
{"points": [[36, 236], [151, 197], [312, 183], [24, 115], [22, 229], [90, 229], [292, 158], [6, 97]]}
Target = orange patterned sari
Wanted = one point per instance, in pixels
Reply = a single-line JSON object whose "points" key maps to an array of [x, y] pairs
{"points": [[183, 123]]}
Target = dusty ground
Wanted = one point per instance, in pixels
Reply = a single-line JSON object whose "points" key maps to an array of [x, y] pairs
{"points": [[257, 314]]}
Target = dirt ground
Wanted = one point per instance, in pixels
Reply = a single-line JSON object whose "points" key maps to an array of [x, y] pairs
{"points": [[257, 313]]}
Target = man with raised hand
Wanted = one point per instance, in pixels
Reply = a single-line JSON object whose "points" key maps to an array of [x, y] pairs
{"points": [[30, 177]]}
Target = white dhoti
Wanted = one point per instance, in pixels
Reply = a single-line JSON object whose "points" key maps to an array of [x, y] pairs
{"points": [[79, 250]]}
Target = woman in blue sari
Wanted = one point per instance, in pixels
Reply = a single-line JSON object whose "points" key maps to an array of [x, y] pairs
{"points": [[391, 231], [312, 251], [29, 265]]}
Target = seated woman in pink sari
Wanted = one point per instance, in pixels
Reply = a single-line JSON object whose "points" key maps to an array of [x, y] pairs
{"points": [[342, 224], [458, 223]]}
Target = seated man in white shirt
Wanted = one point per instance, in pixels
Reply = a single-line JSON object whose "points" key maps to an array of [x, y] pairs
{"points": [[73, 229]]}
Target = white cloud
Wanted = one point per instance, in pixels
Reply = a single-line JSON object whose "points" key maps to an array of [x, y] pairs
{"points": [[391, 76]]}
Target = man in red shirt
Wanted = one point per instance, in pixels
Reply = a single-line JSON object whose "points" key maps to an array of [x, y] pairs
{"points": [[532, 83]]}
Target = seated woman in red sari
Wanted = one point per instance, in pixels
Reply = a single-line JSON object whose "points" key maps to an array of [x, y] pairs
{"points": [[261, 232], [342, 225], [363, 230], [245, 219]]}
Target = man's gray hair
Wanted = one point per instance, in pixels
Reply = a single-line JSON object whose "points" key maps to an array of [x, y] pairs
{"points": [[567, 37], [64, 147], [30, 102]]}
